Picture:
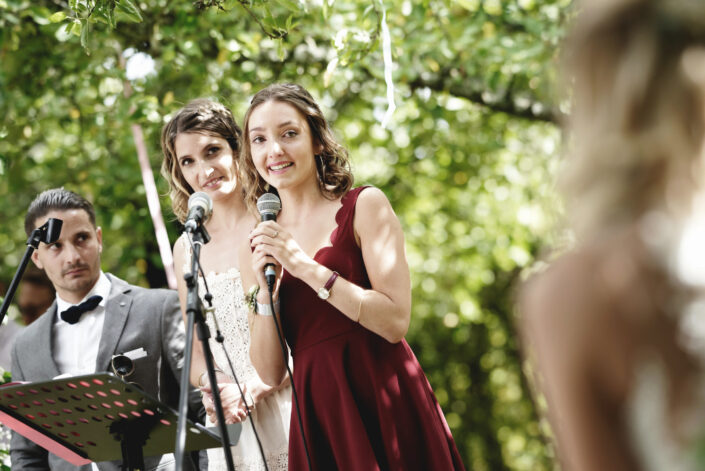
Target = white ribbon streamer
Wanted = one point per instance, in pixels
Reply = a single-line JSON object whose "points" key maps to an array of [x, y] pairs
{"points": [[388, 64]]}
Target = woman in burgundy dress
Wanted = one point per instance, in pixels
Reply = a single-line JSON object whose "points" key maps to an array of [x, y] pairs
{"points": [[342, 295]]}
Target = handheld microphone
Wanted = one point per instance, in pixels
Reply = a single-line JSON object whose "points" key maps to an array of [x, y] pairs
{"points": [[200, 208], [269, 206]]}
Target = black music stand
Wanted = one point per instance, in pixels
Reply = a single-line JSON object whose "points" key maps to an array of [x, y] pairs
{"points": [[98, 417]]}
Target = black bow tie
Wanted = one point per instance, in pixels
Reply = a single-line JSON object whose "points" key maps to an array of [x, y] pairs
{"points": [[74, 313]]}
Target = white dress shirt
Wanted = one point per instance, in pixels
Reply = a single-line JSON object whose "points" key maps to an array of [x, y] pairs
{"points": [[75, 346]]}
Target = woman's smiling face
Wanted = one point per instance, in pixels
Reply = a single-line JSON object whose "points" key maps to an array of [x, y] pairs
{"points": [[282, 147], [207, 163]]}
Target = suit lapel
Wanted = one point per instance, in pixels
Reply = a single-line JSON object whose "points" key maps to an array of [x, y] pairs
{"points": [[44, 357], [117, 307]]}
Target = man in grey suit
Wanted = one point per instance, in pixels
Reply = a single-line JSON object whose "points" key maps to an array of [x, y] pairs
{"points": [[144, 324]]}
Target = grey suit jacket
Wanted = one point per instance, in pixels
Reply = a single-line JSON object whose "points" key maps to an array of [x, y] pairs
{"points": [[134, 318]]}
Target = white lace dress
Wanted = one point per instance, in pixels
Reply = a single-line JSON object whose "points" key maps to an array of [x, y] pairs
{"points": [[272, 414]]}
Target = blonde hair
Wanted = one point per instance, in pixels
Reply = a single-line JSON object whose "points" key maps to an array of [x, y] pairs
{"points": [[201, 116], [332, 164], [637, 120]]}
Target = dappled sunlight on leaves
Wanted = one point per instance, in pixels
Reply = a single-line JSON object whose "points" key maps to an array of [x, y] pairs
{"points": [[467, 159]]}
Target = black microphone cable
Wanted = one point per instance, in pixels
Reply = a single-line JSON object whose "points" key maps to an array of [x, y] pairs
{"points": [[269, 205], [220, 339], [282, 344]]}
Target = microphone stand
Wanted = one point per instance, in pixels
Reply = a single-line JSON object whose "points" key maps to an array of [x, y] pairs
{"points": [[47, 233], [195, 312]]}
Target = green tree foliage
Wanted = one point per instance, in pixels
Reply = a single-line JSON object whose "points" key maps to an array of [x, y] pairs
{"points": [[467, 158]]}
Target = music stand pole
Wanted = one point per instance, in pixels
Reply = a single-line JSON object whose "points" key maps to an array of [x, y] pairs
{"points": [[194, 310], [47, 233]]}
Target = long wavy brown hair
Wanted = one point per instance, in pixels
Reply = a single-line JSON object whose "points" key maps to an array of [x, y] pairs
{"points": [[635, 162], [332, 163], [637, 121], [202, 116]]}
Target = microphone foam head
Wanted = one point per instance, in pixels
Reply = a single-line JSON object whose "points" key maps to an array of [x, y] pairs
{"points": [[269, 203], [201, 199]]}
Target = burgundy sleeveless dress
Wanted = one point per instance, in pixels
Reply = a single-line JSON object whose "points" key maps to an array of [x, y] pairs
{"points": [[365, 403]]}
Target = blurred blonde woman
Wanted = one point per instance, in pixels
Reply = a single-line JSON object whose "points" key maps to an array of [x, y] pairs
{"points": [[605, 322]]}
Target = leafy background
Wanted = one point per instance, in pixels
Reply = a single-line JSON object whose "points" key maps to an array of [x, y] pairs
{"points": [[467, 159]]}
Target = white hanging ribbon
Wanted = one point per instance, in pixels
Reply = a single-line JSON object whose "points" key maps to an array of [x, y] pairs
{"points": [[388, 64]]}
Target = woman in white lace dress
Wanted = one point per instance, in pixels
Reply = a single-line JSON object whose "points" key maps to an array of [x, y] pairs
{"points": [[201, 144], [607, 322]]}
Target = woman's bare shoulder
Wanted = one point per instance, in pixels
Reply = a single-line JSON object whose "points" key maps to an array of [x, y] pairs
{"points": [[371, 200], [577, 314], [564, 278], [180, 248], [565, 297]]}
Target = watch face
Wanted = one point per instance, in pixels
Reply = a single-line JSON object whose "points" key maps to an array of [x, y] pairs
{"points": [[323, 293]]}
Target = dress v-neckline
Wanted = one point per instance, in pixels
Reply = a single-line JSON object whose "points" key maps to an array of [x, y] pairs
{"points": [[334, 233]]}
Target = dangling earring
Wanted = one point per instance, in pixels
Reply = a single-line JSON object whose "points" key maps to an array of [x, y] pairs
{"points": [[322, 166]]}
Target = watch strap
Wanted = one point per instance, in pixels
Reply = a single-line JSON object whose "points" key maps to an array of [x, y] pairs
{"points": [[331, 280]]}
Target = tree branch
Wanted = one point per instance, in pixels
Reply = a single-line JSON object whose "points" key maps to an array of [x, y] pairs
{"points": [[536, 111]]}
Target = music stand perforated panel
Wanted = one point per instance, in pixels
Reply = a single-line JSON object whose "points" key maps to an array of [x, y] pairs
{"points": [[92, 415]]}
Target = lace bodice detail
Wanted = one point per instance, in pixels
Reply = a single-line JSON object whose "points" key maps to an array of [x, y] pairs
{"points": [[230, 314], [272, 413]]}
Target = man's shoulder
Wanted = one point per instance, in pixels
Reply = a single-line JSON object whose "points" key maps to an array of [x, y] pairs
{"points": [[141, 292], [153, 292], [146, 303], [9, 332], [29, 334], [10, 329]]}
